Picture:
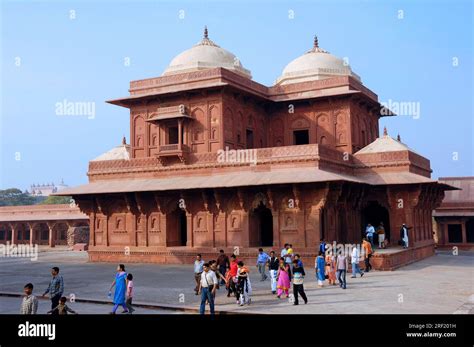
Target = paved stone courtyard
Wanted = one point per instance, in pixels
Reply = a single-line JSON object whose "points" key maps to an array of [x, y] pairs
{"points": [[443, 283]]}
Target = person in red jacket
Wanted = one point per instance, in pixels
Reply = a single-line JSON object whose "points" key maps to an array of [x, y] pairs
{"points": [[231, 276]]}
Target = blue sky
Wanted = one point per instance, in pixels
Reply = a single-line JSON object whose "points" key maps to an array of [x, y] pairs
{"points": [[48, 57]]}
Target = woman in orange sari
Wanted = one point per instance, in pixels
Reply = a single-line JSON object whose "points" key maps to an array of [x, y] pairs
{"points": [[331, 269]]}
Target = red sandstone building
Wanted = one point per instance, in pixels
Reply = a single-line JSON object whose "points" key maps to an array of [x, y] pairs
{"points": [[321, 169], [44, 225], [455, 217]]}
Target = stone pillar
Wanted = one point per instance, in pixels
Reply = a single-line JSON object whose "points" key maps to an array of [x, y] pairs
{"points": [[32, 233], [145, 228], [224, 228], [92, 225], [51, 236], [133, 229], [106, 239], [180, 135], [463, 228], [276, 228], [210, 226], [189, 227], [14, 231], [245, 229]]}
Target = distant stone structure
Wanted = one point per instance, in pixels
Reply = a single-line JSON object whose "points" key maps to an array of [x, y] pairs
{"points": [[454, 219], [46, 189], [43, 225]]}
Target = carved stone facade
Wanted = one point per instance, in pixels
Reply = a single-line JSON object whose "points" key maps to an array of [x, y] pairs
{"points": [[174, 198]]}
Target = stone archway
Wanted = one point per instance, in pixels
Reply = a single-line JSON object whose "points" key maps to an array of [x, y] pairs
{"points": [[176, 228], [261, 222], [374, 213]]}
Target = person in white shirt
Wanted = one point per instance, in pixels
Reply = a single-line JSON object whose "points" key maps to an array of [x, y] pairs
{"points": [[207, 288], [355, 262], [369, 232]]}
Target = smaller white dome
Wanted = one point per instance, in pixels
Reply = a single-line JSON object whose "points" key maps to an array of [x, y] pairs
{"points": [[205, 55], [316, 64]]}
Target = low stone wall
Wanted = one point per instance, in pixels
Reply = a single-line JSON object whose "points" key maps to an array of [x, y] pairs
{"points": [[392, 261], [380, 261]]}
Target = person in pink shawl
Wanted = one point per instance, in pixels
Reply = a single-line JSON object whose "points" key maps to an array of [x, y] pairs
{"points": [[283, 275]]}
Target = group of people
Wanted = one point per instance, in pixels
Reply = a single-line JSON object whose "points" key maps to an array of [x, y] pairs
{"points": [[232, 273], [370, 233], [55, 289], [286, 272], [123, 294]]}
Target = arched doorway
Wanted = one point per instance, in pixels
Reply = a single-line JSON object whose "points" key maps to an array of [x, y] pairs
{"points": [[262, 226], [176, 228], [374, 213]]}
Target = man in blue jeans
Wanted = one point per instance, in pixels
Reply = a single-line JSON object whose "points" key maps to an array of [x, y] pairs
{"points": [[262, 260], [55, 288], [355, 262], [207, 288]]}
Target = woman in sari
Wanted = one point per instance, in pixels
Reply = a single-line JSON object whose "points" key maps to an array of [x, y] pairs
{"points": [[320, 265], [283, 276], [120, 284], [331, 269]]}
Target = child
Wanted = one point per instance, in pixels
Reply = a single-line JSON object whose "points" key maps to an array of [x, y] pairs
{"points": [[129, 293], [29, 305], [62, 308]]}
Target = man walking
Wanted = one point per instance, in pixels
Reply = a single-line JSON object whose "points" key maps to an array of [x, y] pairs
{"points": [[298, 278], [404, 235], [55, 288], [355, 262], [223, 263], [29, 304], [367, 254], [198, 268], [273, 264], [342, 263], [207, 288], [369, 233], [262, 260]]}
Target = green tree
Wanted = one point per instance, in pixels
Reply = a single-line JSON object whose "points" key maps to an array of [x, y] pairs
{"points": [[15, 197], [55, 200]]}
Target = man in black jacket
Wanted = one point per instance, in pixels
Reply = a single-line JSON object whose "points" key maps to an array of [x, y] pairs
{"points": [[273, 264]]}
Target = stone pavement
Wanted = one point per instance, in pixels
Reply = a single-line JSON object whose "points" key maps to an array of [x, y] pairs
{"points": [[443, 283], [11, 305]]}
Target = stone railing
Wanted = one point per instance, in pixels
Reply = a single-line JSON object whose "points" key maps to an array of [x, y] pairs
{"points": [[270, 155]]}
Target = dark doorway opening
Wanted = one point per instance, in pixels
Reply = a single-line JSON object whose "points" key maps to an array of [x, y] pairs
{"points": [[249, 137], [182, 227], [264, 223], [300, 137], [454, 233], [374, 213], [176, 228]]}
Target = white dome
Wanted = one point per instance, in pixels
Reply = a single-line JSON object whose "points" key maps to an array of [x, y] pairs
{"points": [[205, 55], [316, 64]]}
